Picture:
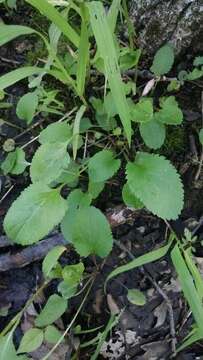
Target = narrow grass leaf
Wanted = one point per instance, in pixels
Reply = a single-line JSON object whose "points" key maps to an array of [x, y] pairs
{"points": [[107, 50], [83, 55], [141, 260], [19, 74], [54, 16], [188, 287], [10, 32]]}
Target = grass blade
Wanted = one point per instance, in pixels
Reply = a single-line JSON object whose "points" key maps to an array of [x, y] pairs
{"points": [[107, 51], [52, 14], [141, 260], [113, 14], [195, 273], [16, 75], [188, 286], [83, 54], [10, 32]]}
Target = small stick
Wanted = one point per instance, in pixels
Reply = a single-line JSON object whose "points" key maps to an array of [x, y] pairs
{"points": [[201, 156]]}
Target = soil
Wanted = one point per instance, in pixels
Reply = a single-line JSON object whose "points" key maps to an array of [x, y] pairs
{"points": [[141, 332]]}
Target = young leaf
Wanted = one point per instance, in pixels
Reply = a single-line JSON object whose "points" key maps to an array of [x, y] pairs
{"points": [[163, 60], [102, 166], [54, 308], [129, 58], [52, 334], [170, 113], [34, 214], [142, 111], [157, 184], [194, 74], [130, 199], [31, 340], [54, 16], [20, 162], [106, 47], [73, 273], [70, 175], [10, 32], [55, 132], [66, 290], [153, 134], [136, 297], [27, 106], [76, 129], [48, 162], [51, 259], [201, 136], [16, 75], [9, 162], [91, 232]]}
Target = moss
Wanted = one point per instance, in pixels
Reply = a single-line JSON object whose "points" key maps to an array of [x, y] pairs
{"points": [[175, 141]]}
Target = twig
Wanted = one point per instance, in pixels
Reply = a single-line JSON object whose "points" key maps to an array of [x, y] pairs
{"points": [[30, 254], [38, 251], [6, 194]]}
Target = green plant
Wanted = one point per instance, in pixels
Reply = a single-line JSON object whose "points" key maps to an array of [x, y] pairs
{"points": [[62, 160]]}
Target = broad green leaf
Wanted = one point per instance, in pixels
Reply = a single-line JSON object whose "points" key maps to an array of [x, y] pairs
{"points": [[201, 136], [91, 232], [72, 273], [10, 32], [109, 105], [188, 287], [34, 214], [140, 261], [142, 111], [27, 106], [83, 54], [75, 200], [76, 129], [155, 181], [54, 16], [51, 259], [56, 132], [102, 166], [163, 60], [70, 175], [94, 189], [31, 340], [106, 47], [170, 112], [52, 334], [198, 61], [16, 75], [136, 297], [153, 134], [54, 308], [48, 162], [130, 199]]}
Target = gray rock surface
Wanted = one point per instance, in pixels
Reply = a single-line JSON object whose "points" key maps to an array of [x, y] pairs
{"points": [[179, 22]]}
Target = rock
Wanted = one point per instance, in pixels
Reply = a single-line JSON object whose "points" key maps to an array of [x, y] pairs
{"points": [[179, 22]]}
